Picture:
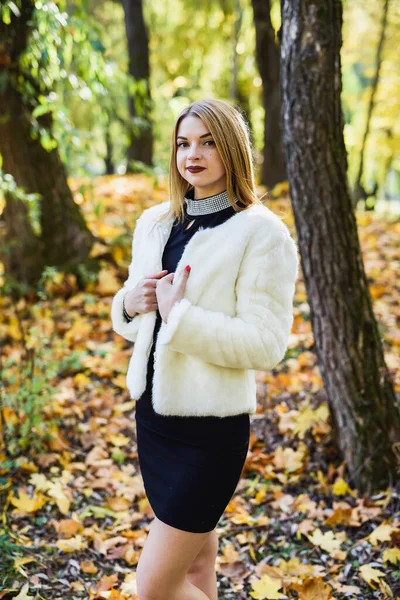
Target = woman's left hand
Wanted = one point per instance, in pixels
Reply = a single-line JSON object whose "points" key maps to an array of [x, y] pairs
{"points": [[167, 294]]}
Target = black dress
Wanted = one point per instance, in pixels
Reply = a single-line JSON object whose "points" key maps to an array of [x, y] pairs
{"points": [[190, 465]]}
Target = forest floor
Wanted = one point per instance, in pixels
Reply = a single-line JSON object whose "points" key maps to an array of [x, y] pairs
{"points": [[74, 513]]}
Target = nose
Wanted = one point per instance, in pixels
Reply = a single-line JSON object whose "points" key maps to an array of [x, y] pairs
{"points": [[194, 153]]}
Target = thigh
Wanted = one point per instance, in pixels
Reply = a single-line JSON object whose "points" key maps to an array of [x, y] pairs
{"points": [[167, 555]]}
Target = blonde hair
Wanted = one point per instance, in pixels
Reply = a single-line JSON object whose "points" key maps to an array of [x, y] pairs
{"points": [[230, 133]]}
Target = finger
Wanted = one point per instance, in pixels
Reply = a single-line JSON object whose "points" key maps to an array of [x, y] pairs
{"points": [[169, 277], [183, 279], [152, 282], [157, 275]]}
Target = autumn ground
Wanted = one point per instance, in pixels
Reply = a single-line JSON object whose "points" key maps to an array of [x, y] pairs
{"points": [[74, 512]]}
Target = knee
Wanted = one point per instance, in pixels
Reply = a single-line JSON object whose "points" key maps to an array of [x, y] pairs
{"points": [[146, 587], [205, 560], [153, 584]]}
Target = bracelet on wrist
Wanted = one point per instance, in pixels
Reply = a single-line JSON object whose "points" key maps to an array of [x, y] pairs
{"points": [[125, 313]]}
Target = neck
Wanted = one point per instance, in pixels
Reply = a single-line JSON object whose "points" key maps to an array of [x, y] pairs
{"points": [[200, 194]]}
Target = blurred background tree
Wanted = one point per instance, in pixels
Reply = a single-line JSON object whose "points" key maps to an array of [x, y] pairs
{"points": [[210, 50]]}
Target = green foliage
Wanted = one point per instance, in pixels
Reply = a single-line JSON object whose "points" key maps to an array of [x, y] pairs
{"points": [[9, 551], [65, 59], [76, 72], [28, 385], [9, 8], [362, 22]]}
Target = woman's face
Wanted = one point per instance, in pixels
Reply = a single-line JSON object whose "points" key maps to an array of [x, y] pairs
{"points": [[196, 148]]}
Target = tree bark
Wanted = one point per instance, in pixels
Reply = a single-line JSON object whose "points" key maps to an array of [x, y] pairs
{"points": [[141, 144], [364, 409], [65, 239], [21, 251], [267, 54]]}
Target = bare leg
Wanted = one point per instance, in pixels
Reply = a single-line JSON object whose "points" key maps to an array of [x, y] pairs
{"points": [[164, 562], [202, 571]]}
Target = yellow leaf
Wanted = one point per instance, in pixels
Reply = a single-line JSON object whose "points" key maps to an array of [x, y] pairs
{"points": [[55, 491], [266, 588], [294, 569], [128, 586], [381, 534], [68, 527], [9, 416], [13, 329], [119, 503], [229, 554], [120, 381], [391, 555], [88, 567], [19, 561], [369, 575], [73, 544], [313, 588], [25, 504], [40, 482], [79, 331], [98, 250], [82, 380], [107, 284], [242, 519], [288, 459], [118, 439], [326, 541], [28, 466], [340, 487], [308, 418]]}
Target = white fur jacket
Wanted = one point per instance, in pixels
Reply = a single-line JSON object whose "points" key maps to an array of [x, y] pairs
{"points": [[234, 319]]}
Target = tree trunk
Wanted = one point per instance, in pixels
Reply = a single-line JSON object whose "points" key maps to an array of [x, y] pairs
{"points": [[267, 54], [141, 144], [360, 392], [21, 251], [65, 239]]}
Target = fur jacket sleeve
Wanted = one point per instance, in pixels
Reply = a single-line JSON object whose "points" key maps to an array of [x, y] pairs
{"points": [[129, 330]]}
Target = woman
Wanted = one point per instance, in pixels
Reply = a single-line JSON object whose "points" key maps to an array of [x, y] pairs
{"points": [[208, 301]]}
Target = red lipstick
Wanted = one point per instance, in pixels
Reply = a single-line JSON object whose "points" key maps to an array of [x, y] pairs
{"points": [[195, 169]]}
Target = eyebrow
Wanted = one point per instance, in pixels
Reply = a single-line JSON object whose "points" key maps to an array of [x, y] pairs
{"points": [[185, 138]]}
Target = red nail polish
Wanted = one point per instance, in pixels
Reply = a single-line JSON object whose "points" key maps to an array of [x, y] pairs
{"points": [[188, 267]]}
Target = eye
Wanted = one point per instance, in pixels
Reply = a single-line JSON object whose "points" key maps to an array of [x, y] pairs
{"points": [[180, 144]]}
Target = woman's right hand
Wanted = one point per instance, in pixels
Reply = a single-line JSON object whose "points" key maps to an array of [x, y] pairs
{"points": [[143, 298]]}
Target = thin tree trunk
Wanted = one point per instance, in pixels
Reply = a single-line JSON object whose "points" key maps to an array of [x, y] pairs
{"points": [[359, 191], [267, 54], [359, 389], [108, 159], [243, 101], [238, 12], [141, 144]]}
